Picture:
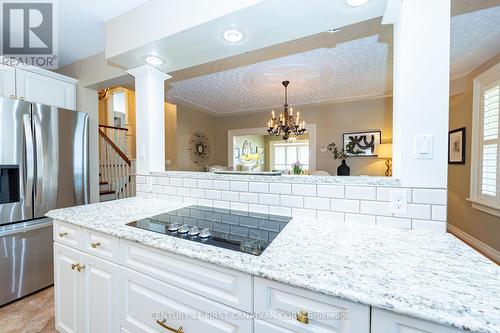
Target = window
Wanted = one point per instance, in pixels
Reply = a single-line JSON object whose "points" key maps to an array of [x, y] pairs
{"points": [[285, 154], [485, 171]]}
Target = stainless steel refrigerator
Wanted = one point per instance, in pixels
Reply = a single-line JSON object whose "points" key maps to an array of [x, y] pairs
{"points": [[43, 165]]}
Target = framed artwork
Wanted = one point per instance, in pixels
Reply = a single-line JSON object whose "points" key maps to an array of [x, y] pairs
{"points": [[361, 144], [456, 146]]}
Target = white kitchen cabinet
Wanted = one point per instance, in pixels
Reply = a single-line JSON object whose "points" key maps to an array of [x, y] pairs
{"points": [[262, 326], [47, 88], [68, 296], [388, 322], [88, 289], [299, 310], [149, 305], [7, 81]]}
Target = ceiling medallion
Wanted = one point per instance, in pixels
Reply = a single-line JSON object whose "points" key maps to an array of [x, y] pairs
{"points": [[287, 125]]}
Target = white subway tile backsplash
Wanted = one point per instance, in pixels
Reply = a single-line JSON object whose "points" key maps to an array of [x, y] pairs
{"points": [[292, 201], [384, 193], [205, 183], [280, 188], [317, 203], [183, 191], [331, 191], [278, 210], [330, 216], [213, 194], [360, 219], [189, 182], [175, 181], [439, 213], [327, 202], [304, 189], [197, 193], [431, 226], [258, 187], [269, 199], [360, 192], [229, 196], [416, 211], [221, 185], [300, 212], [345, 205], [239, 206], [239, 186], [430, 196], [157, 189], [249, 197], [395, 222], [376, 208]]}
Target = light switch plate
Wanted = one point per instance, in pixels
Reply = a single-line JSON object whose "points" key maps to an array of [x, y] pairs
{"points": [[399, 203], [423, 147]]}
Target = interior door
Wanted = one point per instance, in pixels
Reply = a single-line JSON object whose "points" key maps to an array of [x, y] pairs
{"points": [[16, 161], [61, 150], [68, 294]]}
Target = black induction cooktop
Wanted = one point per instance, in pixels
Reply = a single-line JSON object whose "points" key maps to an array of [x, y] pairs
{"points": [[241, 231]]}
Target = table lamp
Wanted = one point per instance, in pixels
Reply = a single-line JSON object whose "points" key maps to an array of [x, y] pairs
{"points": [[384, 151]]}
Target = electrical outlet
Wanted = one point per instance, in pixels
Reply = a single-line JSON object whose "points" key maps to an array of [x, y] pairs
{"points": [[399, 204]]}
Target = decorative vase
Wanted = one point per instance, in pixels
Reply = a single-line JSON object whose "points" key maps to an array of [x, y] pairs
{"points": [[343, 169]]}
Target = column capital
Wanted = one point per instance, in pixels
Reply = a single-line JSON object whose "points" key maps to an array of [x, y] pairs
{"points": [[148, 70]]}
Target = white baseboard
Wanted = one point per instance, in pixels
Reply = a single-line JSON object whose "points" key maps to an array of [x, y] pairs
{"points": [[475, 243]]}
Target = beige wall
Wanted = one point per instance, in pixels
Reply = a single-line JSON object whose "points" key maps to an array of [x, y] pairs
{"points": [[190, 120], [332, 121], [477, 224], [171, 135]]}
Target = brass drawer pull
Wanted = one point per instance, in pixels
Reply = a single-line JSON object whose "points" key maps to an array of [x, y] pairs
{"points": [[95, 245], [73, 266], [165, 326], [62, 234], [303, 317], [80, 267]]}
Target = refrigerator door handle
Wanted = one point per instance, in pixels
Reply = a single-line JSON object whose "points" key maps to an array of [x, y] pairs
{"points": [[39, 160], [28, 136]]}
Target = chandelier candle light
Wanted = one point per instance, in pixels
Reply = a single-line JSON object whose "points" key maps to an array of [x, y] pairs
{"points": [[286, 125]]}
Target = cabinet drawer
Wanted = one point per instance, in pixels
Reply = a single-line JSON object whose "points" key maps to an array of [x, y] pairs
{"points": [[66, 233], [283, 303], [387, 322], [147, 301], [262, 326], [220, 284], [100, 245]]}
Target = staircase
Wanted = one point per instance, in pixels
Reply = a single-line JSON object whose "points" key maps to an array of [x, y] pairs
{"points": [[116, 170]]}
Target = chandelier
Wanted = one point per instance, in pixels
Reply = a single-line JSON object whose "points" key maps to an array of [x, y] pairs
{"points": [[286, 125]]}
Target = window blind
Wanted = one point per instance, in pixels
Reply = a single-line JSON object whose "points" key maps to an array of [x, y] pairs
{"points": [[491, 110]]}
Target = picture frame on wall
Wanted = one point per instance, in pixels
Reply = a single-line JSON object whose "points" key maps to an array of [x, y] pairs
{"points": [[456, 146], [364, 143]]}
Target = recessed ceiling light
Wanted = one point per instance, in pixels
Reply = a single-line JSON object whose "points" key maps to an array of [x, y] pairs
{"points": [[154, 60], [331, 31], [356, 3], [232, 35]]}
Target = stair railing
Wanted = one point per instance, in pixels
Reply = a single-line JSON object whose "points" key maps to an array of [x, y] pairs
{"points": [[115, 167], [118, 135]]}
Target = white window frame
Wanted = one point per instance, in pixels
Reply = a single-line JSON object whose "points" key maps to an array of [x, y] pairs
{"points": [[476, 198], [273, 144]]}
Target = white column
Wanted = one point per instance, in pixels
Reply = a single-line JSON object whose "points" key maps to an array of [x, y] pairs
{"points": [[421, 92], [150, 115]]}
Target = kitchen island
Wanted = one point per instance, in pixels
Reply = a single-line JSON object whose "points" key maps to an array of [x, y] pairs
{"points": [[385, 280]]}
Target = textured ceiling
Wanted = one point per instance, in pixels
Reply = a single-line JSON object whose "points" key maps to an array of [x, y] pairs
{"points": [[349, 70]]}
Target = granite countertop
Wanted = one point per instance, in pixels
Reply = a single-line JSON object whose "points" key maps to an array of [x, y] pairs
{"points": [[435, 277]]}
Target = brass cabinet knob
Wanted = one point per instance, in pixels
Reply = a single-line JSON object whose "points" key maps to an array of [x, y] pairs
{"points": [[303, 317], [73, 266], [165, 326], [80, 267], [95, 245], [62, 234]]}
